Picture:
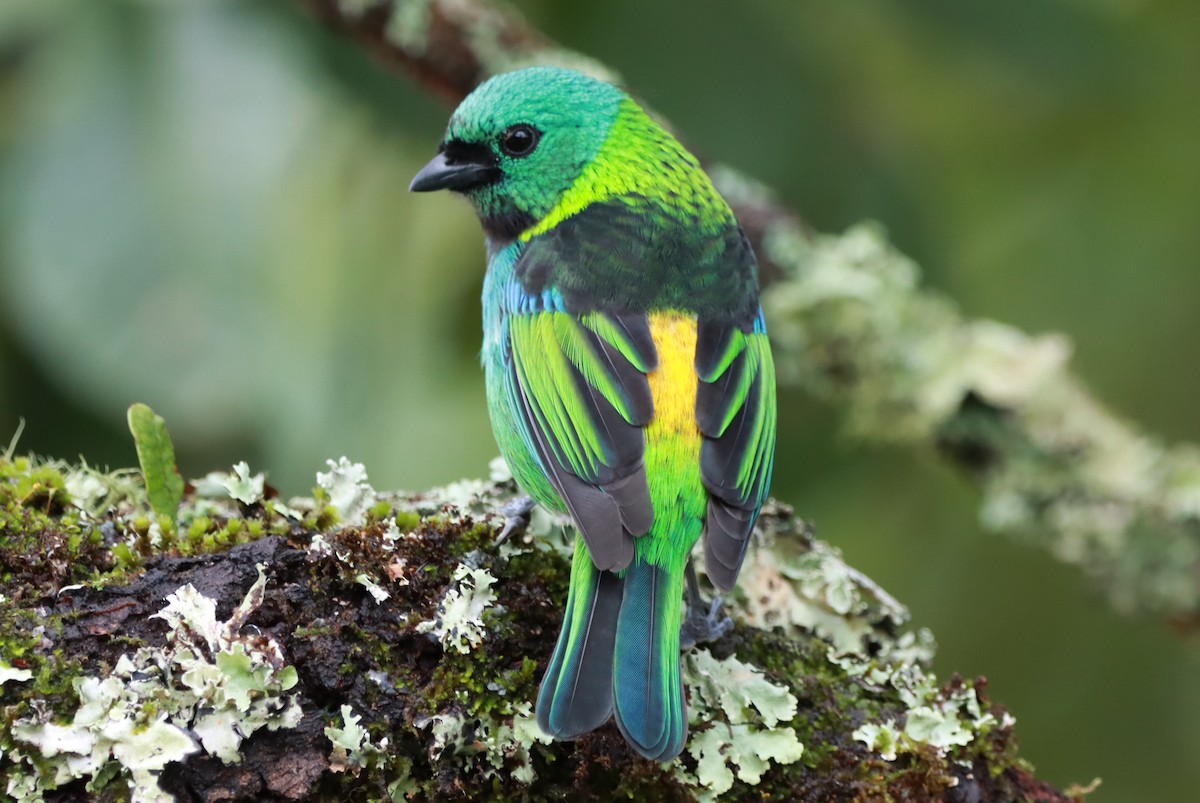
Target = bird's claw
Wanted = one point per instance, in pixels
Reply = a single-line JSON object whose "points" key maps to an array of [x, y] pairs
{"points": [[516, 513], [699, 628]]}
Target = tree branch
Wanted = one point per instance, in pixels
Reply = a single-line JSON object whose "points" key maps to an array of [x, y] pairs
{"points": [[366, 646], [851, 324]]}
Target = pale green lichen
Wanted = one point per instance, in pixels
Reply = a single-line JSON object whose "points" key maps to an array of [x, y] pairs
{"points": [[349, 492], [244, 487], [93, 492], [740, 691], [800, 584], [498, 471], [8, 672], [488, 745], [478, 499], [932, 719], [739, 725], [88, 491], [464, 494], [208, 688], [510, 740], [486, 31], [850, 322], [849, 285], [453, 735], [804, 586], [377, 592], [914, 359], [408, 26], [459, 622], [222, 495], [354, 751]]}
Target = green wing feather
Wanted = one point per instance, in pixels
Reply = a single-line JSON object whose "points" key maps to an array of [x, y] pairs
{"points": [[585, 402], [736, 409], [581, 384]]}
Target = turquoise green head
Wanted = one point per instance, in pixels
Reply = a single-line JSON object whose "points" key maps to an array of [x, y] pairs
{"points": [[518, 142]]}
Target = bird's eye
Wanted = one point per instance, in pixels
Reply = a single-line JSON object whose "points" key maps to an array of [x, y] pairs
{"points": [[519, 140]]}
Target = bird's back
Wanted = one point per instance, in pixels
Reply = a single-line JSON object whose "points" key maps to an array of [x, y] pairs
{"points": [[629, 379]]}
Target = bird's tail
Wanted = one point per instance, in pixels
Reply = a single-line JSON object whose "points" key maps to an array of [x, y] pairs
{"points": [[647, 686], [577, 691]]}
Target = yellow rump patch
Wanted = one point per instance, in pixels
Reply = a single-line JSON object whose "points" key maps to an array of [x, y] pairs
{"points": [[673, 383], [673, 443]]}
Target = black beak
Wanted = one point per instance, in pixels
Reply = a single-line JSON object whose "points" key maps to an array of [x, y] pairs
{"points": [[452, 174]]}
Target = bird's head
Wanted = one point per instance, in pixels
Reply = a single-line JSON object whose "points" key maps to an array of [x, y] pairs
{"points": [[519, 141]]}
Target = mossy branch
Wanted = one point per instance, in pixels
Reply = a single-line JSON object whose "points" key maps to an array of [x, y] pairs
{"points": [[357, 645], [851, 324]]}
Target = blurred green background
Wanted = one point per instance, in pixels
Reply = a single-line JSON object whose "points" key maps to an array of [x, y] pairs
{"points": [[203, 207]]}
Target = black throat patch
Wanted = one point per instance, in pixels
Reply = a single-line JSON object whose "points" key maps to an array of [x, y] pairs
{"points": [[505, 227]]}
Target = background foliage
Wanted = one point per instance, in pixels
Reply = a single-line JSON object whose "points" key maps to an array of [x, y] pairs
{"points": [[203, 206]]}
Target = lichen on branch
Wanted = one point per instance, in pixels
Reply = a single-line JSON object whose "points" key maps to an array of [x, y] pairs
{"points": [[356, 643]]}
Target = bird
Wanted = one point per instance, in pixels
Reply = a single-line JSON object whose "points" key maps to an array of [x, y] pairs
{"points": [[629, 378]]}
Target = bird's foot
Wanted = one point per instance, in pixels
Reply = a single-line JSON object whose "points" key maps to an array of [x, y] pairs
{"points": [[701, 626], [516, 517]]}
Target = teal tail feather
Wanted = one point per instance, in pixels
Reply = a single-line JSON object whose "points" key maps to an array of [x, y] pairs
{"points": [[576, 694], [647, 686]]}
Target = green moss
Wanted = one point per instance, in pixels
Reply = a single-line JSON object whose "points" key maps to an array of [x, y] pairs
{"points": [[310, 631], [45, 542], [325, 517], [23, 636], [406, 520], [37, 487]]}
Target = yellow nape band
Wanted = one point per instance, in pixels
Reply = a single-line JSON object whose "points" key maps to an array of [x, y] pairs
{"points": [[639, 161]]}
